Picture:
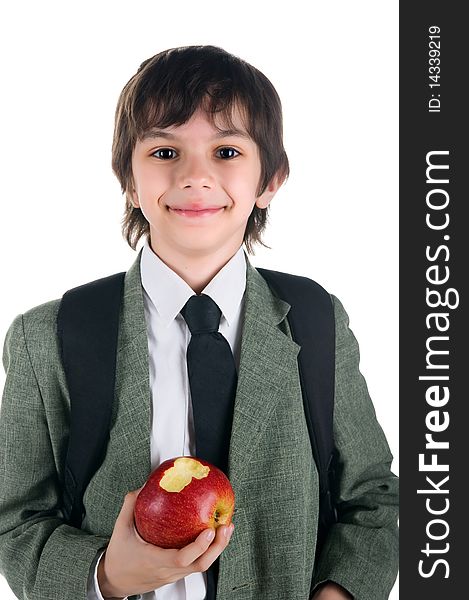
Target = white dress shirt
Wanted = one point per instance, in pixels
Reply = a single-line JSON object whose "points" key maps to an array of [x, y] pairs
{"points": [[172, 434]]}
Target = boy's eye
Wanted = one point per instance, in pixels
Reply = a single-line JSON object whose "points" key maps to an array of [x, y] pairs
{"points": [[227, 152], [168, 153], [163, 153]]}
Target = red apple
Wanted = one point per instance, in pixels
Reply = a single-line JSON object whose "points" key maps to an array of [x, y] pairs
{"points": [[181, 498]]}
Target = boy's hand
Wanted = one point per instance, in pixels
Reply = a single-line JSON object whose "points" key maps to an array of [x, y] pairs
{"points": [[331, 591], [132, 566]]}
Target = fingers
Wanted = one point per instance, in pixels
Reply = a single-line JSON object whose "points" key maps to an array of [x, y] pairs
{"points": [[221, 541], [208, 546], [187, 555]]}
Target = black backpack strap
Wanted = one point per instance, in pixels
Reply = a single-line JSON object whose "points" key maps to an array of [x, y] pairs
{"points": [[312, 324], [87, 329]]}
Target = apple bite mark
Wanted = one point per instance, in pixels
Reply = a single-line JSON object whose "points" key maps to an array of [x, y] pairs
{"points": [[181, 473]]}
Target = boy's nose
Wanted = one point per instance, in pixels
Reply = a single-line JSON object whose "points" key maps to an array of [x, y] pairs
{"points": [[195, 173]]}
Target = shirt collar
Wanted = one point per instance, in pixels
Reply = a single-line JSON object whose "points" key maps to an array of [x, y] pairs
{"points": [[169, 292]]}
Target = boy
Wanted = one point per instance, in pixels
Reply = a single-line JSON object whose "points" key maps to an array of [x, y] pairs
{"points": [[199, 154]]}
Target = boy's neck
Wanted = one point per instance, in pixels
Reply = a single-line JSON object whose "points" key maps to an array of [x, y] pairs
{"points": [[196, 270]]}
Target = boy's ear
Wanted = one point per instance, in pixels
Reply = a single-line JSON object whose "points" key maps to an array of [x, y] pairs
{"points": [[133, 197], [265, 198]]}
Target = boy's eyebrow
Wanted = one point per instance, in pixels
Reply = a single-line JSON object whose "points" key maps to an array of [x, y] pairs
{"points": [[155, 133]]}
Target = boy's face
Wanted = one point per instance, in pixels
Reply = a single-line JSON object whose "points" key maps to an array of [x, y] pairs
{"points": [[197, 187]]}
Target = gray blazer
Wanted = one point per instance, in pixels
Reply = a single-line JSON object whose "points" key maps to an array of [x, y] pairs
{"points": [[272, 551]]}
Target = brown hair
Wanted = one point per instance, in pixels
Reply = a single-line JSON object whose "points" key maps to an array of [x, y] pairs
{"points": [[168, 88]]}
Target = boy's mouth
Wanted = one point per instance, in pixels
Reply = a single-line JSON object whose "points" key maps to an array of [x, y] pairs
{"points": [[196, 212]]}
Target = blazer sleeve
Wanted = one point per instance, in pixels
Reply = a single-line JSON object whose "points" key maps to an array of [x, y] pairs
{"points": [[41, 557], [360, 552]]}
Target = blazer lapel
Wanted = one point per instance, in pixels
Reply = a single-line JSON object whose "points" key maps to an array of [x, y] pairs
{"points": [[132, 394], [267, 361]]}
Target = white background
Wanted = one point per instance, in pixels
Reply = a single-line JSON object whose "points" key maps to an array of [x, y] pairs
{"points": [[335, 67]]}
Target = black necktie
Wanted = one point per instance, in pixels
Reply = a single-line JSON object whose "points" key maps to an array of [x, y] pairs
{"points": [[212, 379]]}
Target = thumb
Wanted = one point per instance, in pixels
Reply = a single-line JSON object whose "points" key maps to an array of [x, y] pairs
{"points": [[126, 515]]}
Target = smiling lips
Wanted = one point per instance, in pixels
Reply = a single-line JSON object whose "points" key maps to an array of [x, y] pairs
{"points": [[196, 211]]}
